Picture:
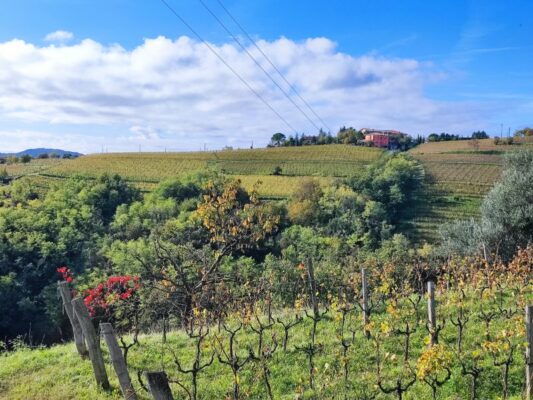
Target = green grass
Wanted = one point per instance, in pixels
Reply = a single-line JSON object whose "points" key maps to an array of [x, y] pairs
{"points": [[34, 167], [58, 373], [483, 145]]}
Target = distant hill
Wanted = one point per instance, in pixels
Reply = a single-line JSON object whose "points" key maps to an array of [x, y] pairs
{"points": [[36, 152]]}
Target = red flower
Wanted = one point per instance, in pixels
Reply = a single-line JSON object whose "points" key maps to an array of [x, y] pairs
{"points": [[66, 274], [101, 299]]}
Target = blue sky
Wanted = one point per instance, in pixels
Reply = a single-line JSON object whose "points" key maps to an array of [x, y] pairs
{"points": [[120, 77]]}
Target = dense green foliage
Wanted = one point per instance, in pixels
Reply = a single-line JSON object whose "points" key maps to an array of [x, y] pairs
{"points": [[524, 132], [345, 135], [39, 235], [443, 137], [103, 227], [480, 135]]}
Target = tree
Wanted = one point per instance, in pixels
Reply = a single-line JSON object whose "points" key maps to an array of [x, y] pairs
{"points": [[277, 170], [189, 256], [403, 142], [507, 210], [392, 181], [303, 208], [277, 139], [433, 137], [177, 190], [525, 132], [480, 135], [107, 193], [349, 135], [443, 137], [26, 158], [460, 237]]}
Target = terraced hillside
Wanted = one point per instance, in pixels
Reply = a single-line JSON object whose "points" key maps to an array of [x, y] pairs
{"points": [[458, 175], [147, 169], [36, 166]]}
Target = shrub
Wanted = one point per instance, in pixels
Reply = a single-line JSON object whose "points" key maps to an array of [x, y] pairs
{"points": [[3, 175], [277, 170], [101, 300]]}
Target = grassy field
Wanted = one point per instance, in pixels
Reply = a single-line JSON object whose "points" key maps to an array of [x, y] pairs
{"points": [[58, 373], [470, 146], [334, 160], [36, 167]]}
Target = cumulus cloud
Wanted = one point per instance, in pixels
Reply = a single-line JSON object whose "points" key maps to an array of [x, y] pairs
{"points": [[59, 36], [176, 93]]}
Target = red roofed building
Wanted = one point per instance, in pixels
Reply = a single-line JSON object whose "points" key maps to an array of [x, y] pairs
{"points": [[381, 138]]}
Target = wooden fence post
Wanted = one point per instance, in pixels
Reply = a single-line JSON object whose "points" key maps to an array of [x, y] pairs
{"points": [[312, 287], [66, 297], [364, 290], [117, 358], [93, 343], [529, 353], [158, 385], [432, 317]]}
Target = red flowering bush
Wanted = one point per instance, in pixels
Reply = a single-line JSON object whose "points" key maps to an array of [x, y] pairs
{"points": [[117, 291], [66, 274]]}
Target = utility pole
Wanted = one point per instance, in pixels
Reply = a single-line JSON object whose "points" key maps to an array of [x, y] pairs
{"points": [[509, 132], [501, 131]]}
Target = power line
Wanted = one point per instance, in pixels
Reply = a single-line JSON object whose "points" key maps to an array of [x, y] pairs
{"points": [[258, 64], [228, 66], [272, 64]]}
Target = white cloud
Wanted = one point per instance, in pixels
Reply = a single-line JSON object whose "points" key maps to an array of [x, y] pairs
{"points": [[177, 94], [144, 133], [59, 36]]}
